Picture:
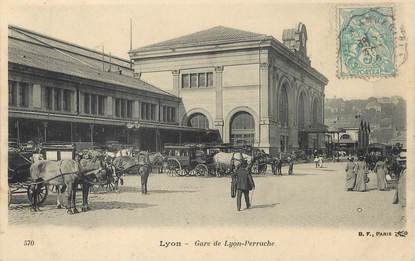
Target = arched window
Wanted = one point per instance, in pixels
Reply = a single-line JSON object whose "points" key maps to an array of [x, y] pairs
{"points": [[315, 111], [301, 112], [283, 106], [198, 120], [242, 128]]}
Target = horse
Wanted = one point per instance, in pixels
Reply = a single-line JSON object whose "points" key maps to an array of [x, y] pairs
{"points": [[263, 159], [67, 173], [124, 152], [147, 161], [226, 162], [142, 165]]}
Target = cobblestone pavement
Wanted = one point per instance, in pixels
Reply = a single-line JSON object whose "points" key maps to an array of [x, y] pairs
{"points": [[311, 197]]}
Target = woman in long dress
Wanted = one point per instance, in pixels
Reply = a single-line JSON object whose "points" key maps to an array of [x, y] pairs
{"points": [[380, 170], [350, 174], [400, 193], [361, 176]]}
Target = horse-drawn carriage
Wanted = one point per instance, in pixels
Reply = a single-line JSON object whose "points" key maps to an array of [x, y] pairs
{"points": [[185, 160], [213, 159], [19, 162]]}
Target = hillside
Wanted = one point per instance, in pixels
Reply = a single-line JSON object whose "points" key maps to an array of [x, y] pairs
{"points": [[386, 116]]}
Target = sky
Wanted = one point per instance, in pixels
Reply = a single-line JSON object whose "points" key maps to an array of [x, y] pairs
{"points": [[108, 25]]}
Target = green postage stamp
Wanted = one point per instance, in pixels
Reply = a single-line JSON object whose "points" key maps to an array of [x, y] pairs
{"points": [[366, 42]]}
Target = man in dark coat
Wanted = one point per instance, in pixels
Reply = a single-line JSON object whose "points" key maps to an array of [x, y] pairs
{"points": [[244, 184]]}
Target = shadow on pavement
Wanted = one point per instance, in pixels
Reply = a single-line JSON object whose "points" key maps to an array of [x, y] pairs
{"points": [[117, 205], [163, 191], [128, 189], [265, 205], [303, 174]]}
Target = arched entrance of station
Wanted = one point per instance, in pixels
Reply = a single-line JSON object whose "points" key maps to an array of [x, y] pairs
{"points": [[198, 120], [302, 135], [242, 128]]}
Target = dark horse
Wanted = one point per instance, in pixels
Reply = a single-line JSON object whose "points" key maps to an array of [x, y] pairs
{"points": [[66, 173], [260, 158], [142, 165]]}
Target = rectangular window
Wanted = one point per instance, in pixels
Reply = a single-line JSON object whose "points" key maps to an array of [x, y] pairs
{"points": [[87, 103], [193, 80], [24, 94], [118, 107], [67, 100], [58, 99], [143, 110], [202, 80], [101, 105], [123, 108], [185, 81], [94, 103], [168, 114], [12, 93], [48, 97], [153, 112], [129, 109], [173, 115], [197, 80], [164, 119], [148, 112], [209, 76]]}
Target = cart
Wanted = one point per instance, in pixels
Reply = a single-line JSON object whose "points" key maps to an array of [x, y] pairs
{"points": [[186, 160], [19, 176]]}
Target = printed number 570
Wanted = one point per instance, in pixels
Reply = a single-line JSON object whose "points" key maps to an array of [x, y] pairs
{"points": [[29, 243]]}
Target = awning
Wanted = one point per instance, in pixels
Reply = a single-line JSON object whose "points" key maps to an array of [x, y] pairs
{"points": [[154, 125]]}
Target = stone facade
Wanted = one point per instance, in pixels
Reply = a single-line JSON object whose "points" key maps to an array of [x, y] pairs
{"points": [[252, 73]]}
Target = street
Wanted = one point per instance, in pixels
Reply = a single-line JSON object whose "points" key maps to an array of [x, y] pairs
{"points": [[311, 197]]}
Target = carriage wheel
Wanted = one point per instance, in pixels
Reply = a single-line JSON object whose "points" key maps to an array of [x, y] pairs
{"points": [[184, 172], [201, 170], [174, 167], [42, 195]]}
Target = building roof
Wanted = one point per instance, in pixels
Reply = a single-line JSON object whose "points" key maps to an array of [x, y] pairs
{"points": [[86, 54], [51, 59], [214, 35], [220, 37]]}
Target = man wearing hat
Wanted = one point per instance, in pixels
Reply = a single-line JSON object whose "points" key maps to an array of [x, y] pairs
{"points": [[244, 184], [400, 192]]}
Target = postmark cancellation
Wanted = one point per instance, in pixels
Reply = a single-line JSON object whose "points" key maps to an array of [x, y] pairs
{"points": [[366, 42]]}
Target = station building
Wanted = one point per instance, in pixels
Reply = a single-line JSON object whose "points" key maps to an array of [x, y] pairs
{"points": [[251, 87], [62, 92]]}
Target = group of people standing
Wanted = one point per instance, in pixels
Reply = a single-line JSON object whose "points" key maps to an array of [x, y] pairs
{"points": [[357, 179], [277, 167], [356, 175]]}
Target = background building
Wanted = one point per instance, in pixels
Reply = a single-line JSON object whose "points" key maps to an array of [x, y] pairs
{"points": [[386, 115], [251, 87], [61, 92]]}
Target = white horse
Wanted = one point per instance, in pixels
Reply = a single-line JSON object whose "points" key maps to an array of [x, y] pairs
{"points": [[226, 162], [37, 157], [124, 152]]}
